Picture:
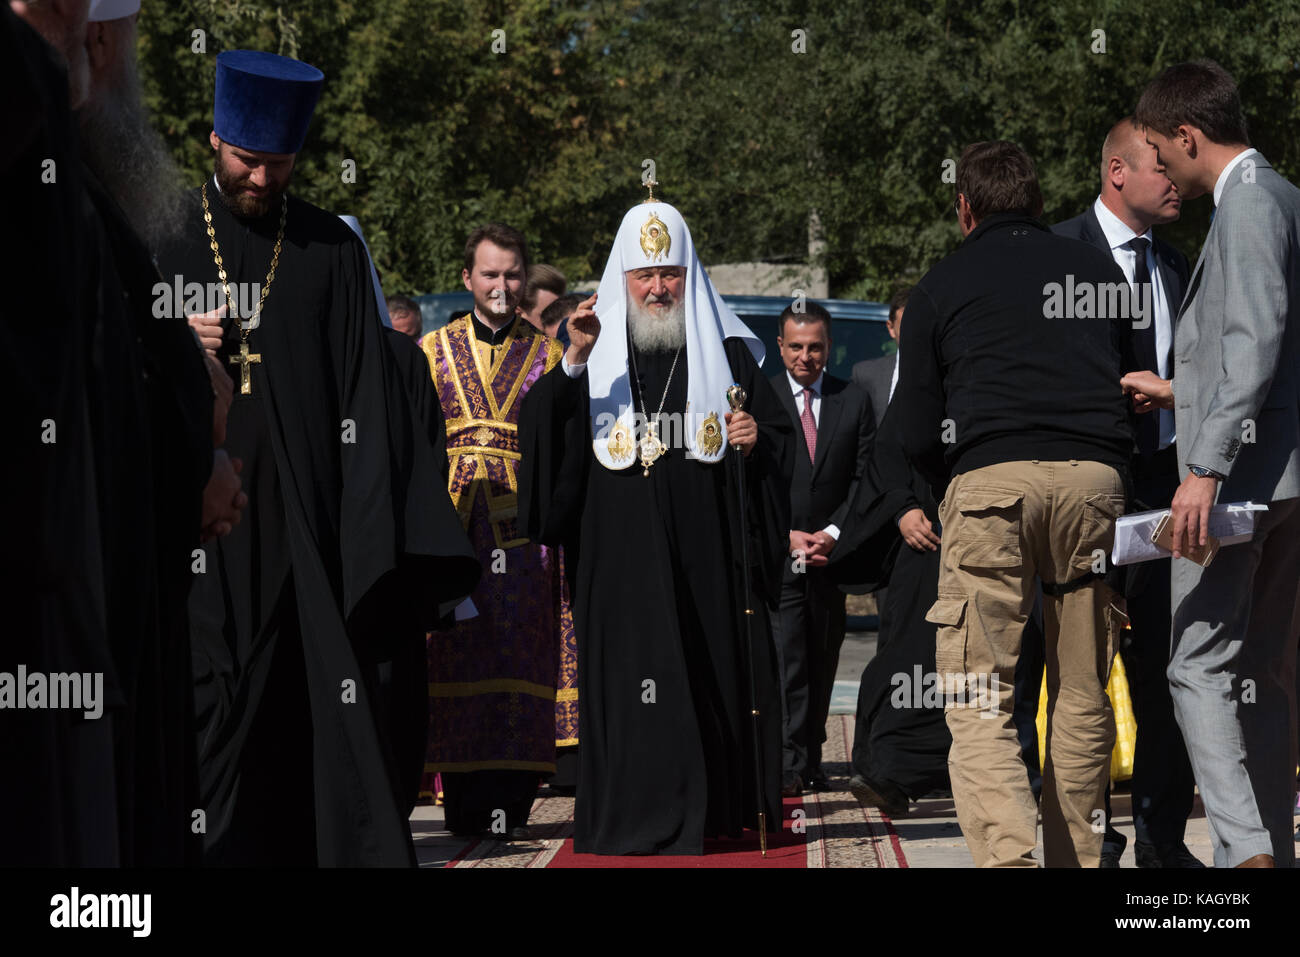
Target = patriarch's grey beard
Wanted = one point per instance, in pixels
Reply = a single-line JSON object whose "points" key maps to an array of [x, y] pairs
{"points": [[655, 331], [130, 158]]}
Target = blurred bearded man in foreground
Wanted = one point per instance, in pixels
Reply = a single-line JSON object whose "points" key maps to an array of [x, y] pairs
{"points": [[628, 461], [183, 486], [118, 141]]}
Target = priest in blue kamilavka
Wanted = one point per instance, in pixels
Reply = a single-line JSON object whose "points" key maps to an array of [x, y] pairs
{"points": [[628, 463], [345, 550]]}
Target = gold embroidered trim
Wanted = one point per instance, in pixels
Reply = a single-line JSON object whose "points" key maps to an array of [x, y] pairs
{"points": [[465, 689], [459, 450]]}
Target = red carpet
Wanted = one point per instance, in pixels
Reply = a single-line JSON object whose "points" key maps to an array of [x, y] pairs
{"points": [[786, 849], [833, 830]]}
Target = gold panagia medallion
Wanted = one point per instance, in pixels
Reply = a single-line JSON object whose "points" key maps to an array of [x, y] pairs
{"points": [[655, 241], [709, 437], [620, 443], [651, 448]]}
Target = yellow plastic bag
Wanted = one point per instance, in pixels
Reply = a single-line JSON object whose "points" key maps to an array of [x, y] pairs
{"points": [[1121, 703]]}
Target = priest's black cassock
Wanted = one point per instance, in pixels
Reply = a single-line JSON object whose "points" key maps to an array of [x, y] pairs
{"points": [[153, 422], [404, 677], [905, 747], [348, 541], [58, 798], [657, 597]]}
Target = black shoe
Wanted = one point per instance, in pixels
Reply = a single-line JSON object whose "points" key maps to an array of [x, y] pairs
{"points": [[881, 795], [816, 781], [1110, 857], [1172, 854], [793, 787]]}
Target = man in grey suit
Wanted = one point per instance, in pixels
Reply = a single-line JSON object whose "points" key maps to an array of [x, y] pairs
{"points": [[878, 377], [1236, 400]]}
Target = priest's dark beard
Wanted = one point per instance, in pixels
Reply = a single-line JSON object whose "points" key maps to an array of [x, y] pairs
{"points": [[131, 160], [238, 202], [656, 332]]}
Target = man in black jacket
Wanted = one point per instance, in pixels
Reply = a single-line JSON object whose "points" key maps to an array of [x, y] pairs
{"points": [[835, 428], [1135, 196], [1008, 389]]}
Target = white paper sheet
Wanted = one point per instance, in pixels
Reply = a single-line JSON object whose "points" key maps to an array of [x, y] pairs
{"points": [[1231, 524]]}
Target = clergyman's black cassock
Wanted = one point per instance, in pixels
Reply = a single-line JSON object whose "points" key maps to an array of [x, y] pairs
{"points": [[896, 740], [667, 747], [349, 535], [58, 797], [155, 439]]}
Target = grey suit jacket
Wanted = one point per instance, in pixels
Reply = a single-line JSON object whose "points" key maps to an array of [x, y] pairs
{"points": [[873, 376], [1237, 341]]}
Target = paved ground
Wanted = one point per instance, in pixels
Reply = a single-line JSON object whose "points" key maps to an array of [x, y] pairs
{"points": [[929, 835]]}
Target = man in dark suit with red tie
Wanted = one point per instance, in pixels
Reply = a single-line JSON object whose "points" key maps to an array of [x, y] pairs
{"points": [[834, 427], [1136, 195]]}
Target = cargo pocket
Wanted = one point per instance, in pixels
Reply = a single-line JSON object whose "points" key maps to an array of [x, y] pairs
{"points": [[950, 639], [988, 535], [1096, 530]]}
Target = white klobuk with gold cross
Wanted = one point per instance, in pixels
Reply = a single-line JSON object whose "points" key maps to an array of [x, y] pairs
{"points": [[654, 234]]}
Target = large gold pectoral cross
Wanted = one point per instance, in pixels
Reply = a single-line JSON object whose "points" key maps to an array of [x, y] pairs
{"points": [[244, 360]]}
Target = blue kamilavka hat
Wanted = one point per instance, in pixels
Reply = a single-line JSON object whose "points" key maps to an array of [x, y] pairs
{"points": [[264, 101]]}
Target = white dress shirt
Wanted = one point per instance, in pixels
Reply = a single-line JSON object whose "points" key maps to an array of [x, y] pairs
{"points": [[1118, 235], [893, 381], [816, 396], [1227, 171]]}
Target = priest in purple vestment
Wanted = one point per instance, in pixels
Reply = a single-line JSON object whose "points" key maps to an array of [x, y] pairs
{"points": [[492, 677]]}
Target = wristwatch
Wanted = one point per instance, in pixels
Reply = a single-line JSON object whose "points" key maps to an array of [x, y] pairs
{"points": [[1201, 471]]}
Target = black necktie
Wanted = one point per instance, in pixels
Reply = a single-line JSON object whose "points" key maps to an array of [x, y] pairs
{"points": [[1148, 425]]}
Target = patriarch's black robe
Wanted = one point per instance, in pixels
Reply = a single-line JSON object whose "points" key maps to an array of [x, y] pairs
{"points": [[348, 543], [657, 582]]}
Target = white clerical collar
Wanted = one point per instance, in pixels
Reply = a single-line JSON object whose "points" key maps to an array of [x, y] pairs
{"points": [[1227, 171], [797, 389], [1118, 233], [215, 183]]}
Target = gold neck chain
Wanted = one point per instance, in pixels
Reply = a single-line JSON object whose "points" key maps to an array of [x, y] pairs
{"points": [[245, 327]]}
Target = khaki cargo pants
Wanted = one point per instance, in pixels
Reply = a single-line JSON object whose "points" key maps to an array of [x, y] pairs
{"points": [[1003, 527]]}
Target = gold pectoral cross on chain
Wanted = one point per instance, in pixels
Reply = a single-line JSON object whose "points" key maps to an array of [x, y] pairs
{"points": [[244, 360]]}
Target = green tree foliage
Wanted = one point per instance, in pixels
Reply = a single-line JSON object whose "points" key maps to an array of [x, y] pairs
{"points": [[760, 117]]}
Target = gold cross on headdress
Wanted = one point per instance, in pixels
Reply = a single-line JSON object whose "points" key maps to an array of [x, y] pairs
{"points": [[650, 184]]}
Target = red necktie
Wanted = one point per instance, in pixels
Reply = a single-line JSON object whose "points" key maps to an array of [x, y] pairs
{"points": [[809, 425]]}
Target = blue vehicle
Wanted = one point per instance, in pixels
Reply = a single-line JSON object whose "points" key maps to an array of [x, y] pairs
{"points": [[858, 328]]}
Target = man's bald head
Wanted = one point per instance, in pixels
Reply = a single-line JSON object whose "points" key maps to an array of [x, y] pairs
{"points": [[1133, 184], [63, 25], [1125, 140]]}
